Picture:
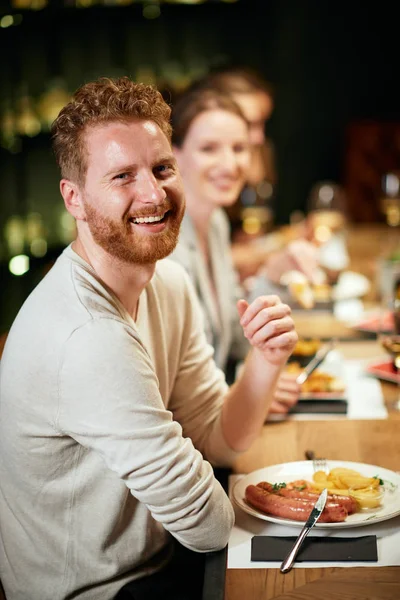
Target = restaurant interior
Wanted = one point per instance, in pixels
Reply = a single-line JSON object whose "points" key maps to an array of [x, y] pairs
{"points": [[335, 131]]}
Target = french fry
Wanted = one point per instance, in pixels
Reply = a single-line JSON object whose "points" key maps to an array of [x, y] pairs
{"points": [[339, 471], [358, 483], [346, 482], [320, 476], [336, 482], [319, 486]]}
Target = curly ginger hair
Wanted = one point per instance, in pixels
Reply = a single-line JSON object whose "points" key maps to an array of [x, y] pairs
{"points": [[99, 102]]}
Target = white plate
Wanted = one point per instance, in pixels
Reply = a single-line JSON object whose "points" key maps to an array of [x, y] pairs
{"points": [[304, 470], [350, 285]]}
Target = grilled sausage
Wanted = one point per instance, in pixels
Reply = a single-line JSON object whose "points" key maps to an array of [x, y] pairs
{"points": [[346, 501], [291, 508]]}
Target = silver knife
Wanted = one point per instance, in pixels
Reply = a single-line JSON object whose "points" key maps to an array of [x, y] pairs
{"points": [[315, 362], [312, 519]]}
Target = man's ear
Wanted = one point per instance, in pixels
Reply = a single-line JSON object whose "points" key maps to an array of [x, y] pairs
{"points": [[72, 196]]}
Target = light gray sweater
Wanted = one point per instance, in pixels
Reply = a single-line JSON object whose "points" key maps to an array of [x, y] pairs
{"points": [[103, 424]]}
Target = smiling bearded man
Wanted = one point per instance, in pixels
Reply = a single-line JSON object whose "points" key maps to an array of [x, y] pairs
{"points": [[112, 408]]}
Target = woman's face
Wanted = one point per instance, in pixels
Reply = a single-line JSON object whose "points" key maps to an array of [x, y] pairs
{"points": [[214, 158]]}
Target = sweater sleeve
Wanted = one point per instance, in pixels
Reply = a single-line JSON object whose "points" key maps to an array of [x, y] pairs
{"points": [[200, 389], [109, 402]]}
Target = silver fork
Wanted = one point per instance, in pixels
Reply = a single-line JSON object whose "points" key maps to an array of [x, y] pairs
{"points": [[319, 464]]}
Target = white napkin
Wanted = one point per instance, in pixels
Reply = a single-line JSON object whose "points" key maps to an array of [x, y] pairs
{"points": [[365, 400]]}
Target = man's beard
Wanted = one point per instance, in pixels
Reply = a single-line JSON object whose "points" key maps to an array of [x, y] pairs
{"points": [[123, 242]]}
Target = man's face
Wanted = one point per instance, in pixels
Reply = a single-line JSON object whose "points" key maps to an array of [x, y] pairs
{"points": [[132, 194], [257, 109]]}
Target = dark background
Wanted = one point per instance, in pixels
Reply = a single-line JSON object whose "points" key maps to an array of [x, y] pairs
{"points": [[333, 65]]}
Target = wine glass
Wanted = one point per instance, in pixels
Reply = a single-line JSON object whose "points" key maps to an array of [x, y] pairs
{"points": [[391, 343], [326, 210], [390, 202], [390, 340], [326, 224]]}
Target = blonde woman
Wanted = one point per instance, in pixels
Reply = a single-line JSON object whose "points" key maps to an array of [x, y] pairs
{"points": [[212, 147]]}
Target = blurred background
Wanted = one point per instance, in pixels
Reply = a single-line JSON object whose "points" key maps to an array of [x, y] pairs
{"points": [[333, 67]]}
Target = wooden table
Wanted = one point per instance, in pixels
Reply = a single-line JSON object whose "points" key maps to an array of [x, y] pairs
{"points": [[323, 325], [373, 442]]}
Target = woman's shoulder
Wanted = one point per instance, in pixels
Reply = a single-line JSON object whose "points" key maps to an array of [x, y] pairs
{"points": [[220, 222]]}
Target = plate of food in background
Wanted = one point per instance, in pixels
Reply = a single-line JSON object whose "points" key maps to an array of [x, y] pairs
{"points": [[388, 370], [319, 368], [384, 370], [321, 294], [321, 384], [307, 295], [376, 322]]}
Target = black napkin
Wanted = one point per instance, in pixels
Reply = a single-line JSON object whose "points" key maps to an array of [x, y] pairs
{"points": [[316, 407], [320, 549]]}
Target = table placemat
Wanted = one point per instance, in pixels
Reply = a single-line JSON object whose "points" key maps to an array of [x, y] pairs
{"points": [[315, 548]]}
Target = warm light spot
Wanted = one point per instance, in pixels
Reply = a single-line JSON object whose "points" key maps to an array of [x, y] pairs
{"points": [[322, 233], [393, 216], [33, 226], [6, 21], [251, 225], [19, 265], [39, 4], [67, 227], [38, 247], [151, 11], [14, 233]]}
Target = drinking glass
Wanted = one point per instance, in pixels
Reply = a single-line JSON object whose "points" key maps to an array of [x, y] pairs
{"points": [[390, 342], [326, 210], [390, 202], [326, 224]]}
